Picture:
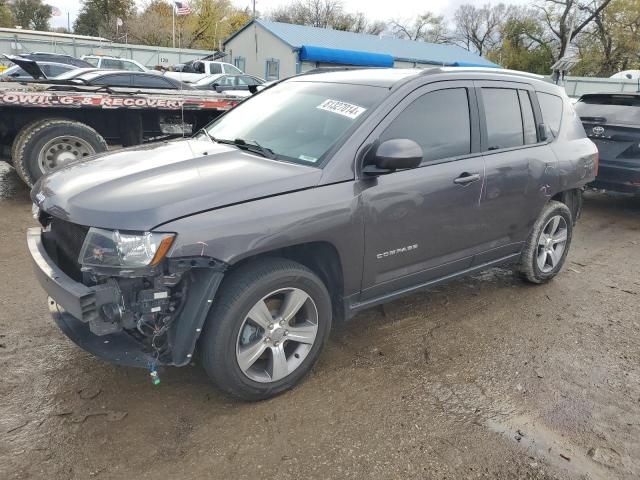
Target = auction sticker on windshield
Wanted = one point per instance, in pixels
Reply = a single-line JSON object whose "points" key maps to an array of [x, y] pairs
{"points": [[341, 108]]}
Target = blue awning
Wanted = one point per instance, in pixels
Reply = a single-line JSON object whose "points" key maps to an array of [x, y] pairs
{"points": [[344, 57], [470, 64]]}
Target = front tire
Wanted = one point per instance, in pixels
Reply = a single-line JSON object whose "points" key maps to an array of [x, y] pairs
{"points": [[548, 244], [45, 145], [266, 329]]}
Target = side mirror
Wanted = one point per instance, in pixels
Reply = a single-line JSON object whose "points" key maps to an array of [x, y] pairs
{"points": [[392, 155], [542, 132], [217, 88]]}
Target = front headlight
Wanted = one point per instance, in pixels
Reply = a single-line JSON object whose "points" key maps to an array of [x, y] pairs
{"points": [[112, 248]]}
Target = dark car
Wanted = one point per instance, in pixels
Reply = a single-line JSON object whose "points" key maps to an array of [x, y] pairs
{"points": [[313, 200], [612, 121], [224, 82], [56, 58], [124, 78]]}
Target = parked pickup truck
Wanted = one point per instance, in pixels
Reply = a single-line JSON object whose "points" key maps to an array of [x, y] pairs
{"points": [[50, 122], [317, 198]]}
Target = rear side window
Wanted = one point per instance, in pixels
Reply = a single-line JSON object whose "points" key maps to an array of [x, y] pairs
{"points": [[528, 119], [551, 106], [131, 66], [55, 70], [215, 68], [438, 122], [119, 80], [151, 81], [503, 118], [108, 63], [93, 61]]}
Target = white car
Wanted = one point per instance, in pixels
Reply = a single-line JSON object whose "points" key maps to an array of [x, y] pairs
{"points": [[627, 75], [114, 63], [192, 72]]}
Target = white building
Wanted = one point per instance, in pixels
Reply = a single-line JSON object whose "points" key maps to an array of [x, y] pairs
{"points": [[275, 50]]}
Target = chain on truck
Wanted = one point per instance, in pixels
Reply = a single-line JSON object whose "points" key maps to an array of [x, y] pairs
{"points": [[48, 123]]}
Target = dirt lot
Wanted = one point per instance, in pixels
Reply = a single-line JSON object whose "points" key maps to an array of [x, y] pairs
{"points": [[484, 378]]}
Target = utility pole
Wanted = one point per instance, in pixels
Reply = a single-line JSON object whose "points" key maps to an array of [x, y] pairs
{"points": [[254, 9], [173, 36]]}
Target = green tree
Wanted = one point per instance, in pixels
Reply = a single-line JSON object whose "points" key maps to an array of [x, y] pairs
{"points": [[567, 19], [612, 42], [98, 17], [522, 43], [153, 25], [6, 16], [31, 14]]}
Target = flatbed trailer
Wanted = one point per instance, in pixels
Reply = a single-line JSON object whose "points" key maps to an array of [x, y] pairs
{"points": [[45, 124]]}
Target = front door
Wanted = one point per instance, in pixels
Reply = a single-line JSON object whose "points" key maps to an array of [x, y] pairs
{"points": [[421, 224]]}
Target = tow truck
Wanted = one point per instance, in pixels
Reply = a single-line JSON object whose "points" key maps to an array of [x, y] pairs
{"points": [[47, 123]]}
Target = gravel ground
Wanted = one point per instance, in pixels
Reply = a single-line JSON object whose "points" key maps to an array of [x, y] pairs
{"points": [[483, 378]]}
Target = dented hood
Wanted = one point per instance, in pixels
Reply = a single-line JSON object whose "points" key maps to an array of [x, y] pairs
{"points": [[142, 187]]}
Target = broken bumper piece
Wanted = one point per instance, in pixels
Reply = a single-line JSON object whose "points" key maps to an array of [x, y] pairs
{"points": [[118, 348]]}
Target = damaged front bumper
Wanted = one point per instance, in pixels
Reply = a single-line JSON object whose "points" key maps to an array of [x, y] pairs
{"points": [[77, 310]]}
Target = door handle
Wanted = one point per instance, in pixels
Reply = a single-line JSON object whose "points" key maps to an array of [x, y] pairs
{"points": [[467, 178]]}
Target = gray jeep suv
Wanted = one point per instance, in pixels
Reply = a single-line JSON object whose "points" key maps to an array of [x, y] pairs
{"points": [[321, 196]]}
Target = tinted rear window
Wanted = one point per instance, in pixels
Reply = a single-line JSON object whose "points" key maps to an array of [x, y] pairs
{"points": [[503, 118], [551, 106], [611, 109], [625, 100]]}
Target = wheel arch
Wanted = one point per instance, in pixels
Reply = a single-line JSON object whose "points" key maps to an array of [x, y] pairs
{"points": [[572, 198], [321, 257]]}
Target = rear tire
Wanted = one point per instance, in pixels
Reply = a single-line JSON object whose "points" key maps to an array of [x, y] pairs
{"points": [[252, 356], [548, 244], [44, 145]]}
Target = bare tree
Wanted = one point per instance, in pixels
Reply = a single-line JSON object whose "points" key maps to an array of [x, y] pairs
{"points": [[477, 28], [426, 28], [325, 14], [314, 13], [566, 19]]}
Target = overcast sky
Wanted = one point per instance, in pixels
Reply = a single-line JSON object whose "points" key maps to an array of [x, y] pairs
{"points": [[374, 9]]}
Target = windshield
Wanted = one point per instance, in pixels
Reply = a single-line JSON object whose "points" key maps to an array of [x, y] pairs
{"points": [[228, 68], [298, 121]]}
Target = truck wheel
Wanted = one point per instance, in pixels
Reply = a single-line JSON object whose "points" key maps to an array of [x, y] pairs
{"points": [[548, 244], [45, 145], [18, 138], [266, 329]]}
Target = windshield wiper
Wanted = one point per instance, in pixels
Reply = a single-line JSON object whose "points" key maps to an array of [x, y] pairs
{"points": [[250, 145], [257, 148]]}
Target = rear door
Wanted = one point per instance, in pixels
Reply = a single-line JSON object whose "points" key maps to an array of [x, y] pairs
{"points": [[520, 168], [421, 224]]}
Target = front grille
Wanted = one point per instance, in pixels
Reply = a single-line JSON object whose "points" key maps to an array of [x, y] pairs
{"points": [[67, 239]]}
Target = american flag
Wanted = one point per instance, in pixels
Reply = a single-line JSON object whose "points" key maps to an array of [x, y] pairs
{"points": [[182, 8]]}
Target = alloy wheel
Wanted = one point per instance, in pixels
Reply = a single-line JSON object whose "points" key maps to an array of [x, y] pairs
{"points": [[552, 243], [277, 335]]}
